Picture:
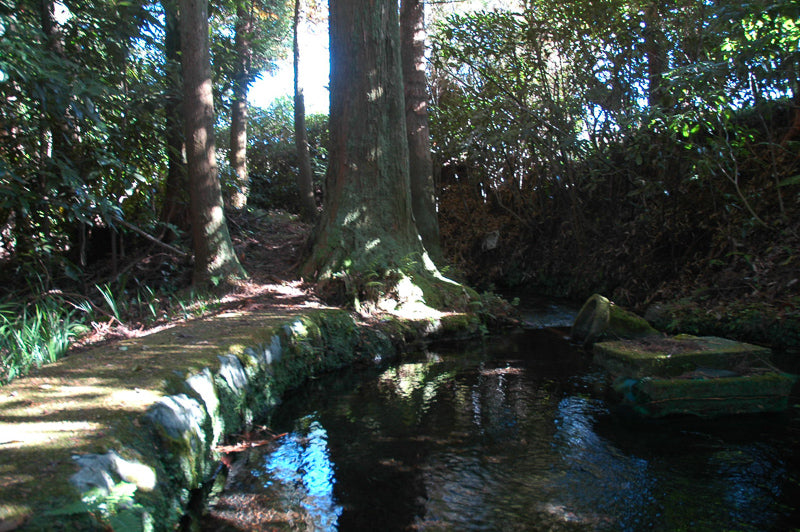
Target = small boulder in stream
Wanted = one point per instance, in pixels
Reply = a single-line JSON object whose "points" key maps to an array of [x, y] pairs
{"points": [[600, 319]]}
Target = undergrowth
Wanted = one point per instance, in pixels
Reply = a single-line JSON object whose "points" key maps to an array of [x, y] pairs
{"points": [[38, 329], [36, 333]]}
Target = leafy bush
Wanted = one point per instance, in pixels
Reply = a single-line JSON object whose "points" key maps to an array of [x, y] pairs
{"points": [[571, 160], [272, 156]]}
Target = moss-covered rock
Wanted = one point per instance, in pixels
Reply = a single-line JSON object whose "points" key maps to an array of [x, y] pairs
{"points": [[601, 319], [768, 324]]}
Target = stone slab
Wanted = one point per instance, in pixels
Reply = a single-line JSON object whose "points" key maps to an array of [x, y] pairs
{"points": [[708, 397], [674, 356]]}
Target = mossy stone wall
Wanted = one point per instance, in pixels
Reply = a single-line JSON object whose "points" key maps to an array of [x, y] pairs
{"points": [[181, 430]]}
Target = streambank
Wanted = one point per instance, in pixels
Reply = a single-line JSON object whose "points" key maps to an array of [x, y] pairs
{"points": [[122, 437]]}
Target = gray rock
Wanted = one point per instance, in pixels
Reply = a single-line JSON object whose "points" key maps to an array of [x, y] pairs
{"points": [[202, 385], [101, 471], [232, 372], [177, 415]]}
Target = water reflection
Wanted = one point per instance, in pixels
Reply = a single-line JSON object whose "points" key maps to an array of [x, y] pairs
{"points": [[621, 483], [300, 470], [510, 436]]}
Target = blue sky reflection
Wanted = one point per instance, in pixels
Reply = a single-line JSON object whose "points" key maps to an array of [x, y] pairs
{"points": [[301, 464]]}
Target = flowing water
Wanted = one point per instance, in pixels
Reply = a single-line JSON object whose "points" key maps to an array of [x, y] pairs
{"points": [[510, 433]]}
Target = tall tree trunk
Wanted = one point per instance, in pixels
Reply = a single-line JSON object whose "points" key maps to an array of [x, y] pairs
{"points": [[656, 51], [305, 179], [367, 246], [241, 80], [65, 136], [214, 257], [175, 206], [423, 188]]}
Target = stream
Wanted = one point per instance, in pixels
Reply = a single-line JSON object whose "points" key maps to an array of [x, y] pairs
{"points": [[511, 432]]}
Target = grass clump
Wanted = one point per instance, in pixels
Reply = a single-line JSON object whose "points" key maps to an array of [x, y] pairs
{"points": [[38, 326], [36, 333]]}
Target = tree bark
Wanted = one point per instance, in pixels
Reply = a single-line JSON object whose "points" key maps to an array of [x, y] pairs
{"points": [[305, 178], [655, 49], [423, 189], [58, 151], [214, 257], [241, 80], [175, 206], [367, 247]]}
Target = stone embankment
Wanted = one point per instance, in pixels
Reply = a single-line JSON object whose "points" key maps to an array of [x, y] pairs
{"points": [[122, 436]]}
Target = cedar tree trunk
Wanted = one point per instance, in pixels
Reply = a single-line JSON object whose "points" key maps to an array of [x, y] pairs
{"points": [[241, 79], [423, 190], [214, 257], [656, 51], [367, 247], [175, 208]]}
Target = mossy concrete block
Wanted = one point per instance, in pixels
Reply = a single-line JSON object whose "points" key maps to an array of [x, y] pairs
{"points": [[105, 471], [186, 437], [669, 357], [707, 397], [232, 372], [232, 387], [179, 418]]}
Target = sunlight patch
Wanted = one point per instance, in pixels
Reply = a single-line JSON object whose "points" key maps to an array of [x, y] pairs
{"points": [[19, 434]]}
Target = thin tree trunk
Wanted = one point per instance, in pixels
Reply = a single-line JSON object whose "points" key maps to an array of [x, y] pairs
{"points": [[423, 190], [215, 260], [60, 139], [305, 178], [655, 48], [241, 79], [175, 206]]}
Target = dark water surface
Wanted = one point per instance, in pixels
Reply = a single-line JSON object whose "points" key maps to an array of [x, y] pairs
{"points": [[512, 433]]}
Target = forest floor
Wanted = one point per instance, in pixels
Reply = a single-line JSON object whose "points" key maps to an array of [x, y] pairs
{"points": [[269, 245]]}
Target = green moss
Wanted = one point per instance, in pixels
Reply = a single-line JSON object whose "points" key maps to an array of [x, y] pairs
{"points": [[624, 324], [443, 294], [768, 392], [460, 325], [748, 322], [601, 319], [674, 356]]}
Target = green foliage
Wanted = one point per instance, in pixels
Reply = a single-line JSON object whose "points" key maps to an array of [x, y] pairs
{"points": [[78, 113], [83, 122], [273, 157], [269, 41], [595, 167], [38, 326], [109, 299], [36, 333]]}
